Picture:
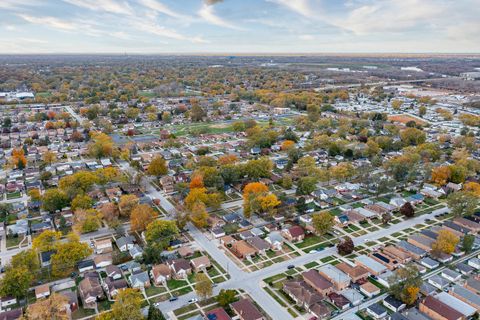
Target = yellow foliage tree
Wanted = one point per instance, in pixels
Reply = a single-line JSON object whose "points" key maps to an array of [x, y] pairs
{"points": [[141, 216], [446, 242]]}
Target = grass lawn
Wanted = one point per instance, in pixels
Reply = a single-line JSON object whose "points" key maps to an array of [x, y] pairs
{"points": [[185, 309], [152, 290], [13, 241], [327, 259], [274, 278], [309, 241], [311, 265], [174, 284], [82, 313], [14, 195], [182, 291]]}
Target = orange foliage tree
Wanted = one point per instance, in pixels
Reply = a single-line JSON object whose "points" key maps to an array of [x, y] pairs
{"points": [[287, 144], [257, 198], [141, 217]]}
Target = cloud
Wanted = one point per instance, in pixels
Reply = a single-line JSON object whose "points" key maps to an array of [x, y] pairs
{"points": [[51, 22], [110, 6], [153, 28], [207, 13], [161, 8], [17, 4], [301, 7]]}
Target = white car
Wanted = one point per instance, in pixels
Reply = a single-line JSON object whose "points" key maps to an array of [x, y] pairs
{"points": [[313, 251], [193, 300]]}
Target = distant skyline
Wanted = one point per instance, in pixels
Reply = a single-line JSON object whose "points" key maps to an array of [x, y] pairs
{"points": [[239, 26]]}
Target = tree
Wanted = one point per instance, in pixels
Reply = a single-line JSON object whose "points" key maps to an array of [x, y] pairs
{"points": [[199, 215], [306, 185], [250, 194], [407, 210], [467, 242], [287, 145], [127, 306], [54, 199], [472, 187], [81, 201], [18, 159], [127, 203], [322, 222], [301, 205], [441, 175], [422, 110], [342, 171], [154, 313], [446, 242], [27, 259], [196, 182], [68, 254], [110, 213], [86, 220], [405, 284], [161, 232], [225, 297], [46, 240], [34, 194], [158, 167], [49, 157], [203, 285], [101, 145], [346, 246], [412, 136], [16, 282], [462, 203], [141, 216], [51, 308], [396, 104]]}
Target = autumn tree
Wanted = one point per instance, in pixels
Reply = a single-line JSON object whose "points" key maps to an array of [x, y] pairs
{"points": [[346, 246], [161, 232], [199, 215], [405, 284], [34, 194], [27, 259], [49, 157], [68, 254], [473, 187], [54, 199], [287, 145], [445, 243], [203, 285], [110, 213], [256, 198], [51, 308], [407, 210], [16, 282], [323, 222], [86, 220], [18, 159], [441, 175], [141, 216], [101, 145], [412, 136], [46, 240], [227, 159], [342, 171], [127, 306], [462, 203], [127, 203], [196, 182], [157, 167], [200, 195], [81, 201], [396, 104]]}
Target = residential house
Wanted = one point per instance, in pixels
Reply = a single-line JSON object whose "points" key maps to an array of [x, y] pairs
{"points": [[335, 276], [217, 314], [180, 268], [201, 263], [275, 240], [112, 287], [103, 260], [42, 291], [464, 308], [319, 283], [466, 296], [139, 279], [294, 234], [243, 250], [103, 246], [113, 272], [160, 273], [246, 310], [373, 266], [369, 289], [355, 272], [260, 245], [90, 290], [377, 311], [125, 243], [393, 304]]}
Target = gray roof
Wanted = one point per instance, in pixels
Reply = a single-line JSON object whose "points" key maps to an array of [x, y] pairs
{"points": [[334, 274], [415, 314], [429, 262], [371, 263], [466, 294], [410, 247], [456, 304], [125, 240]]}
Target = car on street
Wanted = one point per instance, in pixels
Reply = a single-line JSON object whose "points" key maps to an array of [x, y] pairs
{"points": [[290, 267], [193, 300], [173, 299]]}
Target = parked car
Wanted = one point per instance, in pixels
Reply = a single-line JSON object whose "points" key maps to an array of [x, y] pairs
{"points": [[174, 298], [193, 300], [291, 266]]}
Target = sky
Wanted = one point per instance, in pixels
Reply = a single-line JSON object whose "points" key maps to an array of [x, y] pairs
{"points": [[239, 26]]}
